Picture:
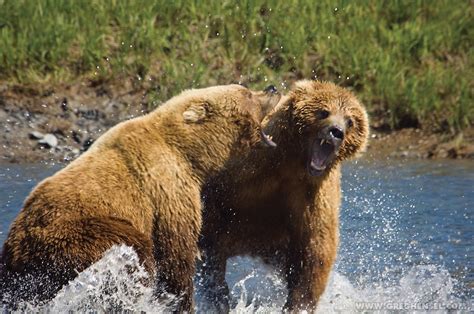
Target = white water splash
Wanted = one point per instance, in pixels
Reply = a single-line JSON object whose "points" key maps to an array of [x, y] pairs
{"points": [[109, 285], [254, 286], [116, 283], [423, 287]]}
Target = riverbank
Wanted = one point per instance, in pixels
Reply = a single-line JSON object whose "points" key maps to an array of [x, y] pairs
{"points": [[58, 124], [410, 62]]}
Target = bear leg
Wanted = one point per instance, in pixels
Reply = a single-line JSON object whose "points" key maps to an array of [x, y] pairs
{"points": [[41, 261], [307, 271], [175, 255]]}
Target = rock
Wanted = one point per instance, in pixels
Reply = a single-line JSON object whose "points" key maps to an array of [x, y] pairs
{"points": [[49, 140], [71, 153], [3, 115], [87, 143], [442, 153], [64, 105], [91, 114], [35, 135], [406, 154], [452, 153], [77, 136]]}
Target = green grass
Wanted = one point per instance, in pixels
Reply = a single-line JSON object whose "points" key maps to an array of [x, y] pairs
{"points": [[411, 62]]}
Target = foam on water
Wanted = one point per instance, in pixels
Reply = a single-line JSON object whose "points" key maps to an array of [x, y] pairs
{"points": [[262, 290], [109, 285], [115, 283], [421, 286]]}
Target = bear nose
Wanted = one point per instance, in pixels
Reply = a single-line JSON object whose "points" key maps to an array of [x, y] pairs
{"points": [[271, 89], [336, 132]]}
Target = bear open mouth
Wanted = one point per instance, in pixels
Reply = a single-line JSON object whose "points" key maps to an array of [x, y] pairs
{"points": [[322, 153]]}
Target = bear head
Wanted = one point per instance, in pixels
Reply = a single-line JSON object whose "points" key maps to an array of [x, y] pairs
{"points": [[242, 109], [325, 122]]}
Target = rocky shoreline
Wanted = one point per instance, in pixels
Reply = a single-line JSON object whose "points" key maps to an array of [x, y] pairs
{"points": [[417, 144], [58, 124]]}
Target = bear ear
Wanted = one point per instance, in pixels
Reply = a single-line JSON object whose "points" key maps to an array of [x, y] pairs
{"points": [[196, 112], [303, 86]]}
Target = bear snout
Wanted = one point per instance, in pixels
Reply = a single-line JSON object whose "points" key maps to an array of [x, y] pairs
{"points": [[336, 133], [333, 133]]}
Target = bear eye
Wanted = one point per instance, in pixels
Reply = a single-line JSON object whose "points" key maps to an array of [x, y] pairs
{"points": [[322, 114], [350, 123]]}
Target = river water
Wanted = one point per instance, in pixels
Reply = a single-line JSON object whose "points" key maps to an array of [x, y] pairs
{"points": [[406, 243]]}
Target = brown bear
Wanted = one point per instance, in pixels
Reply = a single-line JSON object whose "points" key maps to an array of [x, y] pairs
{"points": [[139, 184], [283, 205]]}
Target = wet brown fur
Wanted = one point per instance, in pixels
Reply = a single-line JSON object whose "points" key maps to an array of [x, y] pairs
{"points": [[269, 206], [139, 184]]}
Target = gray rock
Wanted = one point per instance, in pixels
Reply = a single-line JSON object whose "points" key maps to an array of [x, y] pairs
{"points": [[49, 140]]}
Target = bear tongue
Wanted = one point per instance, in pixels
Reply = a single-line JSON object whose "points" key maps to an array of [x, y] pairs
{"points": [[320, 157]]}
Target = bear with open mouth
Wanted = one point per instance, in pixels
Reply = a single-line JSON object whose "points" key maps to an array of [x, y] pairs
{"points": [[283, 205]]}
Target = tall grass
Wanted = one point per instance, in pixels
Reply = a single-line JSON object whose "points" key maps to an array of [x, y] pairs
{"points": [[411, 62]]}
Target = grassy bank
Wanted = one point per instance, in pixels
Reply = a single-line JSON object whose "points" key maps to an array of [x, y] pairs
{"points": [[411, 62]]}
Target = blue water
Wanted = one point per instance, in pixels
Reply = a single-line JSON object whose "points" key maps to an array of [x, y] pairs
{"points": [[406, 214], [406, 236]]}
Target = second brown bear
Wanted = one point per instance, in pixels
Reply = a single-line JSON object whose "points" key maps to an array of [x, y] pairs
{"points": [[140, 185], [283, 205]]}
